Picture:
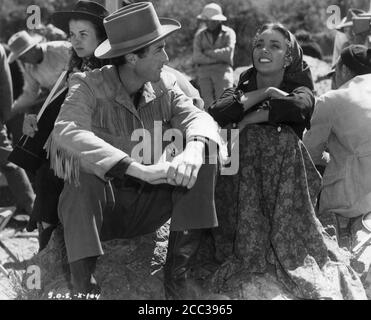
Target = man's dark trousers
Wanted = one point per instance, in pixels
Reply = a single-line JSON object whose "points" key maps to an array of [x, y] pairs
{"points": [[96, 210]]}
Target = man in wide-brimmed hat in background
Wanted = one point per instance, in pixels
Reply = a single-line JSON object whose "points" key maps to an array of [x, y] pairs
{"points": [[43, 63], [355, 28], [16, 177], [94, 147], [213, 51]]}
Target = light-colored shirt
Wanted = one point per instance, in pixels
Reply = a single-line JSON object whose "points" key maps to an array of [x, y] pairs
{"points": [[221, 51], [56, 56], [341, 122]]}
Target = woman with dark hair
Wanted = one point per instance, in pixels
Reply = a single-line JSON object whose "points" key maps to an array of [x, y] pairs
{"points": [[84, 25], [266, 212]]}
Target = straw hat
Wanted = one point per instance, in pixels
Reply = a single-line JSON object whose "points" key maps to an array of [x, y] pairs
{"points": [[19, 43], [212, 11], [133, 27]]}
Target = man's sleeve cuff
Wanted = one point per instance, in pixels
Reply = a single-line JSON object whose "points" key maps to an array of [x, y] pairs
{"points": [[119, 170], [199, 138]]}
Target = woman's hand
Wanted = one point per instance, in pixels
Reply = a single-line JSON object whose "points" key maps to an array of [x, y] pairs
{"points": [[275, 93], [30, 125]]}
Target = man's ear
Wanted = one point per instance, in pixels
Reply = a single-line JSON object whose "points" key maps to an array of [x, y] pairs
{"points": [[131, 58]]}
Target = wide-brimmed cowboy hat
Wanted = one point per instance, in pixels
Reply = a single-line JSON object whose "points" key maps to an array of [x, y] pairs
{"points": [[348, 20], [133, 27], [212, 11], [88, 10], [21, 42]]}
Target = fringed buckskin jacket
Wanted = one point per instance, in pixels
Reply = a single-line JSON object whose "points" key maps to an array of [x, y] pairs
{"points": [[94, 129]]}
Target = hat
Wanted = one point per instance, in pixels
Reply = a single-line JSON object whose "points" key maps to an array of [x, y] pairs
{"points": [[348, 20], [88, 10], [212, 11], [133, 27], [357, 58], [361, 24], [20, 43]]}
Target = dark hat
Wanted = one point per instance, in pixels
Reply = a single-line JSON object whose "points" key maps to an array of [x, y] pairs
{"points": [[357, 58], [88, 10], [348, 20], [133, 27]]}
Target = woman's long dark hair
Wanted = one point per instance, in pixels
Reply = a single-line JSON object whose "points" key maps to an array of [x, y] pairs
{"points": [[76, 62]]}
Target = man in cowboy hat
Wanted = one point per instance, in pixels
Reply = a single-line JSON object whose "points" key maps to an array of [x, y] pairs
{"points": [[341, 123], [16, 177], [115, 186], [43, 63], [354, 29], [213, 51]]}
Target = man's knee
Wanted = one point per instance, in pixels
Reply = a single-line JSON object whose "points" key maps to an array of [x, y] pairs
{"points": [[88, 196]]}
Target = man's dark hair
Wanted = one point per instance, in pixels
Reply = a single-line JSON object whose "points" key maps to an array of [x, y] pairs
{"points": [[303, 36], [356, 58], [117, 61], [341, 64]]}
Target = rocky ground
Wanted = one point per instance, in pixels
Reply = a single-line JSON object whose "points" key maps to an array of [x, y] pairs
{"points": [[130, 269]]}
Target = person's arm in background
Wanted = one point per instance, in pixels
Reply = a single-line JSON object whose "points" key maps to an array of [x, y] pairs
{"points": [[31, 90], [198, 52], [316, 138], [224, 54], [6, 91], [340, 41]]}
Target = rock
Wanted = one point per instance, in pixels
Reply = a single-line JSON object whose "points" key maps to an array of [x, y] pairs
{"points": [[124, 272], [132, 270]]}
